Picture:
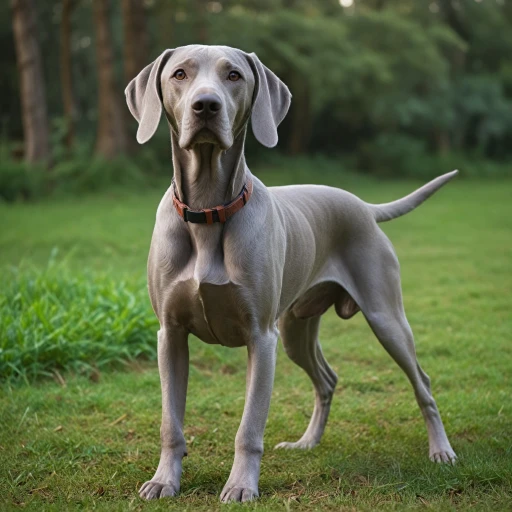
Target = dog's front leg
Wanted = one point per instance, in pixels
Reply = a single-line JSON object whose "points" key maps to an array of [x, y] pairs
{"points": [[173, 367], [242, 484]]}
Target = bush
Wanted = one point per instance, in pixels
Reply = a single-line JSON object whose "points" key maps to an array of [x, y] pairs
{"points": [[19, 181], [403, 156], [392, 155], [80, 174], [389, 155], [54, 320]]}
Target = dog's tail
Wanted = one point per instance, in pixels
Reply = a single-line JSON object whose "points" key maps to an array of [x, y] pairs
{"points": [[389, 211]]}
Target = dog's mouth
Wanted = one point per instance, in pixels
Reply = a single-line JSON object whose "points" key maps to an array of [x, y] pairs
{"points": [[205, 135]]}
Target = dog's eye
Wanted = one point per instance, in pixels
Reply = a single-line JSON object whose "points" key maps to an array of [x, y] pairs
{"points": [[234, 76], [180, 75]]}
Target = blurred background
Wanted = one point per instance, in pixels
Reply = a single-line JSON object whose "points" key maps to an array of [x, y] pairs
{"points": [[388, 87]]}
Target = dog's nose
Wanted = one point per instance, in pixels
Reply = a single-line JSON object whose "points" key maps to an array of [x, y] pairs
{"points": [[206, 105]]}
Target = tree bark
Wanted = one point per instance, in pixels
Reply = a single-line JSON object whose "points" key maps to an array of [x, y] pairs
{"points": [[136, 42], [201, 21], [111, 139], [66, 79], [136, 51], [301, 120], [442, 141], [32, 86]]}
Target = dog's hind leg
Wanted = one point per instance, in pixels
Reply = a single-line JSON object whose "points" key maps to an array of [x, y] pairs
{"points": [[379, 296], [300, 340]]}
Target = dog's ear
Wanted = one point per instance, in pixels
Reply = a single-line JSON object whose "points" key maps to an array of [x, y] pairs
{"points": [[270, 104], [144, 97]]}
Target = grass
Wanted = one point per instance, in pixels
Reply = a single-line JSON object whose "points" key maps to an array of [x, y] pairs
{"points": [[55, 320], [88, 439]]}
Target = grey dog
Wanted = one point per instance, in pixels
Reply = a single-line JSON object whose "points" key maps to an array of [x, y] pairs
{"points": [[266, 262]]}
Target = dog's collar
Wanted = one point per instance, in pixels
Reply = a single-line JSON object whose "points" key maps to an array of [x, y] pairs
{"points": [[215, 214]]}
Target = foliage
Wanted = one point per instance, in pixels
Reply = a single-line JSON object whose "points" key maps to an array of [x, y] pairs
{"points": [[54, 320], [390, 155], [436, 74], [78, 176], [416, 70], [398, 155], [79, 173], [20, 181]]}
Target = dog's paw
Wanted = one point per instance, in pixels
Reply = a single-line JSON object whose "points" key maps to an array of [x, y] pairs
{"points": [[444, 457], [153, 489], [236, 493], [299, 445]]}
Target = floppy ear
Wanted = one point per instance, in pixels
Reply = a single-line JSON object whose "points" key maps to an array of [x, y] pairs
{"points": [[144, 97], [271, 103]]}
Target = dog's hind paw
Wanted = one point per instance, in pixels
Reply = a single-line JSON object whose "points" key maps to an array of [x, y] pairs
{"points": [[444, 457], [299, 445], [153, 489]]}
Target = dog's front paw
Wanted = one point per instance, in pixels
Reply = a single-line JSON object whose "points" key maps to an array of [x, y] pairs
{"points": [[444, 456], [237, 493], [302, 444], [154, 489]]}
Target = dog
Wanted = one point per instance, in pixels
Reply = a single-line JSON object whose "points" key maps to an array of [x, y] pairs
{"points": [[238, 264]]}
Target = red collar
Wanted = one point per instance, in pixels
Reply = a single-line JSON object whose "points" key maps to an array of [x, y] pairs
{"points": [[215, 214]]}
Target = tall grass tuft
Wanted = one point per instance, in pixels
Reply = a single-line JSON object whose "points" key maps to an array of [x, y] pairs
{"points": [[53, 319]]}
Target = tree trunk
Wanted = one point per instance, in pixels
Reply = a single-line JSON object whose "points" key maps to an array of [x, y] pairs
{"points": [[135, 38], [111, 135], [442, 141], [136, 51], [201, 21], [66, 73], [32, 87], [301, 120]]}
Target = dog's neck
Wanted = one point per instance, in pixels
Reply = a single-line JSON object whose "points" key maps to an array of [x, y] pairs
{"points": [[206, 176]]}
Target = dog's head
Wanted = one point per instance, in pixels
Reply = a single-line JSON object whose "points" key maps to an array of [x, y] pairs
{"points": [[208, 93]]}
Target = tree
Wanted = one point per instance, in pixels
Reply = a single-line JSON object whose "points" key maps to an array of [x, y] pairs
{"points": [[135, 38], [200, 21], [32, 85], [135, 51], [66, 71], [111, 138]]}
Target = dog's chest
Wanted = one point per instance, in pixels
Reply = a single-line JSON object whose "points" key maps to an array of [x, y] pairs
{"points": [[215, 313], [194, 289]]}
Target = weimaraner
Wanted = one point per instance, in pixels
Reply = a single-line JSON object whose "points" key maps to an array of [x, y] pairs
{"points": [[264, 262]]}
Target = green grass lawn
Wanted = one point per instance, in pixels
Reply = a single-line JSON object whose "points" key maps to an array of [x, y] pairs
{"points": [[88, 439]]}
